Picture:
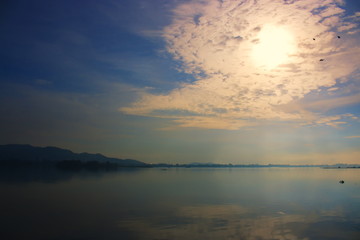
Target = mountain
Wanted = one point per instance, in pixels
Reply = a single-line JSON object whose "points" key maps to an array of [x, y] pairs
{"points": [[28, 153]]}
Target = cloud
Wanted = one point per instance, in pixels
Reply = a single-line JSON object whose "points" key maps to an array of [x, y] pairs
{"points": [[249, 59], [212, 123], [327, 104], [349, 156], [352, 137]]}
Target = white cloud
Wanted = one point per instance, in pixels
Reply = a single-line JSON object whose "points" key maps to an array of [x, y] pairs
{"points": [[217, 40]]}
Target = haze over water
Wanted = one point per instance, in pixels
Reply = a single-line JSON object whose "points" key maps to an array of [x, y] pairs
{"points": [[194, 203]]}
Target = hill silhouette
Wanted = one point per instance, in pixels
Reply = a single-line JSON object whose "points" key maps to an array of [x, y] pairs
{"points": [[12, 153]]}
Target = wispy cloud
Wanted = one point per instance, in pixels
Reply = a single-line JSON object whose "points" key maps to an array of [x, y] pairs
{"points": [[231, 49], [352, 137], [350, 156]]}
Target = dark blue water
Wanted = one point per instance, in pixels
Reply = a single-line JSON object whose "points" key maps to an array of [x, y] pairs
{"points": [[259, 203]]}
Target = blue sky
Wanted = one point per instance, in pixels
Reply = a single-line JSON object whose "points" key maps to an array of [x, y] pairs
{"points": [[184, 81]]}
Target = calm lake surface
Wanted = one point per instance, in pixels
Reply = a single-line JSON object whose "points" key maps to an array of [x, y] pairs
{"points": [[237, 203]]}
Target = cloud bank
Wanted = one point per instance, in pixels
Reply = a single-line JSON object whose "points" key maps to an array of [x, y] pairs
{"points": [[252, 60]]}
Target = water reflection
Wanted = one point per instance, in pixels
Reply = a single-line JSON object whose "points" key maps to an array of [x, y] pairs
{"points": [[235, 222], [44, 174], [248, 204]]}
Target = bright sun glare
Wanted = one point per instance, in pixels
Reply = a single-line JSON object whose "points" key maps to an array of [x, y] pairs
{"points": [[275, 45]]}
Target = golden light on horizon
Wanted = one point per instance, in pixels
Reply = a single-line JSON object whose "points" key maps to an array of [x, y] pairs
{"points": [[274, 47]]}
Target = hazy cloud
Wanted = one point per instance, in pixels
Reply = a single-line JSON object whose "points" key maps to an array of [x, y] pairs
{"points": [[350, 156], [251, 58], [352, 137]]}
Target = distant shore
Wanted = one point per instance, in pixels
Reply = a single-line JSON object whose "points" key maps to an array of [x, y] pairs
{"points": [[27, 156], [75, 165]]}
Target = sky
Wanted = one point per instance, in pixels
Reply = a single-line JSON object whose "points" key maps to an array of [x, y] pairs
{"points": [[175, 81]]}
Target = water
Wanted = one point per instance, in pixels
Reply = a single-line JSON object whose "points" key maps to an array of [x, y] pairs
{"points": [[243, 203]]}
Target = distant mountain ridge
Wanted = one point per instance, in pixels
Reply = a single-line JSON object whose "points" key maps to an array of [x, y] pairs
{"points": [[24, 152]]}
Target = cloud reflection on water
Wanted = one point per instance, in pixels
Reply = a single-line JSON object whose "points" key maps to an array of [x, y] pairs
{"points": [[271, 203], [237, 222]]}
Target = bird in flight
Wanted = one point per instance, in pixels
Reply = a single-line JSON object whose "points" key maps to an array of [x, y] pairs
{"points": [[321, 59]]}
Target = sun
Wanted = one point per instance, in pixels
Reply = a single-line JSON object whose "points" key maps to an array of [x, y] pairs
{"points": [[274, 47]]}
